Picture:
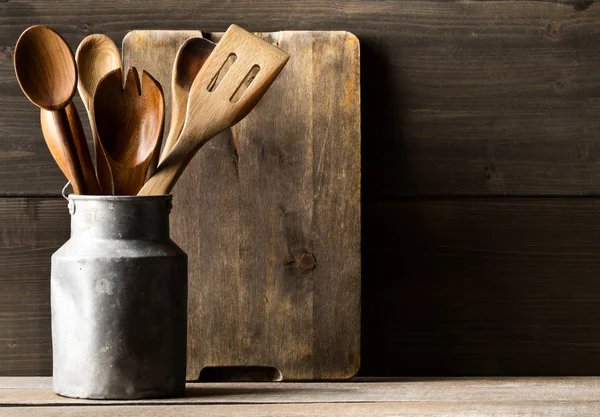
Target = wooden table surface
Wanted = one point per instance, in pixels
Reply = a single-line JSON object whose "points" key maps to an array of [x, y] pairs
{"points": [[560, 396]]}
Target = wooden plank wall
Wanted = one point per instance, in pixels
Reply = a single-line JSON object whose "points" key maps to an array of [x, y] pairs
{"points": [[481, 176]]}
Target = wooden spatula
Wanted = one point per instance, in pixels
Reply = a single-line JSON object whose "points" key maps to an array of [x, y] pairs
{"points": [[230, 83]]}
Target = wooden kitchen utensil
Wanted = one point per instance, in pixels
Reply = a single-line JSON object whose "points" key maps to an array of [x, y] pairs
{"points": [[55, 140], [269, 213], [45, 69], [146, 45], [129, 122], [190, 58], [96, 56], [219, 100]]}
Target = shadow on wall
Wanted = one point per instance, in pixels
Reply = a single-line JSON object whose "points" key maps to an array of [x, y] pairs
{"points": [[383, 145], [466, 286], [382, 153], [480, 287]]}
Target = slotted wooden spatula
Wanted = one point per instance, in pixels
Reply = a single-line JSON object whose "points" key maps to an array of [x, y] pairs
{"points": [[230, 83]]}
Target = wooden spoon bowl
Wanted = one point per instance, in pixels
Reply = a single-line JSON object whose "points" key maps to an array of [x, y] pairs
{"points": [[129, 122], [46, 71], [45, 68], [96, 56], [190, 58]]}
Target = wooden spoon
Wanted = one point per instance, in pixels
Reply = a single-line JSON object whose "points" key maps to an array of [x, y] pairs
{"points": [[55, 138], [190, 58], [45, 69], [129, 123], [220, 99], [96, 56]]}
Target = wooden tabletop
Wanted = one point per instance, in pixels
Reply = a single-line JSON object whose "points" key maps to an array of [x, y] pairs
{"points": [[563, 396]]}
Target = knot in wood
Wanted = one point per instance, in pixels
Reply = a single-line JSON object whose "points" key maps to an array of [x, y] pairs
{"points": [[307, 261]]}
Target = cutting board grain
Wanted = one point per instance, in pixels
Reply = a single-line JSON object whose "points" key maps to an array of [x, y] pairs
{"points": [[269, 214]]}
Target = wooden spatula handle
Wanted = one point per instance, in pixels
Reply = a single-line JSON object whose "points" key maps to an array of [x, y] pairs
{"points": [[171, 168], [211, 108]]}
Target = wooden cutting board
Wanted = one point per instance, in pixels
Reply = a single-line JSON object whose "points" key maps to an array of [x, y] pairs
{"points": [[269, 214]]}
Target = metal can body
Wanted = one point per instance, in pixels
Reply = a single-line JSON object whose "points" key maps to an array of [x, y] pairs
{"points": [[119, 301]]}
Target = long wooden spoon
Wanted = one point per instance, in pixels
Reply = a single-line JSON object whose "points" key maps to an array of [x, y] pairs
{"points": [[129, 122], [220, 99], [45, 69], [96, 56], [190, 58]]}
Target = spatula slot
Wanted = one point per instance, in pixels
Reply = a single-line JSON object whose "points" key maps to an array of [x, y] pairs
{"points": [[214, 83], [245, 84]]}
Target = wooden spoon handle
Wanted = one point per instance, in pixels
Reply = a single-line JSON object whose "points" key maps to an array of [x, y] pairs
{"points": [[103, 172], [128, 180], [172, 167], [61, 120], [53, 142], [177, 120], [82, 151]]}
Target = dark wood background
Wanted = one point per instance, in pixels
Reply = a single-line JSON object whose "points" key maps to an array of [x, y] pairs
{"points": [[481, 176]]}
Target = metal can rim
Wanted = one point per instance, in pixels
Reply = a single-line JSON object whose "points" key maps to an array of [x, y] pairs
{"points": [[82, 197]]}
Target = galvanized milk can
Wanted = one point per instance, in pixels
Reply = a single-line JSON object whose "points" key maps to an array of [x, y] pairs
{"points": [[119, 301]]}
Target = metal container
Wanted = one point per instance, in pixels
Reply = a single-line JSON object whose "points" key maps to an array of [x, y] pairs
{"points": [[119, 301]]}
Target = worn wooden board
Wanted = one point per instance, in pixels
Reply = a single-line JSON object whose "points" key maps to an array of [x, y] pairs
{"points": [[505, 397], [30, 231], [38, 392], [269, 214], [271, 410], [406, 409]]}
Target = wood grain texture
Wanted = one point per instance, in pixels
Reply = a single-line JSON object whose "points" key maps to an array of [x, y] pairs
{"points": [[219, 98], [38, 391], [191, 56], [129, 118], [30, 231], [54, 139], [424, 397], [82, 150], [45, 70], [407, 409], [460, 98], [274, 252], [295, 410], [164, 46], [96, 56], [481, 287]]}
